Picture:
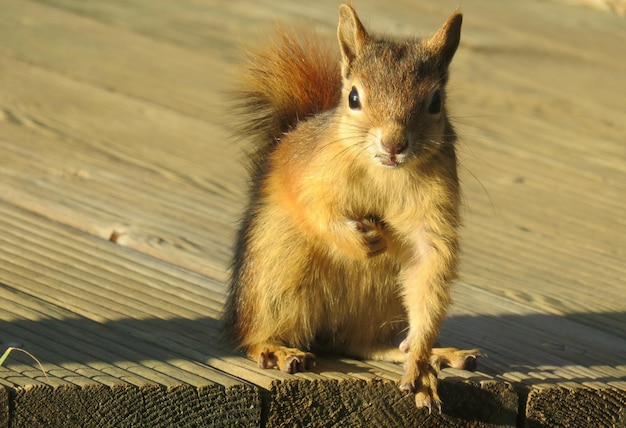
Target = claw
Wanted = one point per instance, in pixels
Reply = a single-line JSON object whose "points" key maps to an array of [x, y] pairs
{"points": [[265, 361], [424, 401], [438, 403], [292, 365], [406, 388]]}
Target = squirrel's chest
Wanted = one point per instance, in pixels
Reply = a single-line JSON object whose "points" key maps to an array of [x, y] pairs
{"points": [[328, 185], [397, 197]]}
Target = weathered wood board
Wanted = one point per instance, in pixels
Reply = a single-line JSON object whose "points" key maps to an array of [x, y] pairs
{"points": [[121, 187]]}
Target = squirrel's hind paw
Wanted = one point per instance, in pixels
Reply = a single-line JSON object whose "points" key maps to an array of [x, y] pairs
{"points": [[288, 360]]}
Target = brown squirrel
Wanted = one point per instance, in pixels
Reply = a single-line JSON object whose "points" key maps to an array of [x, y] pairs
{"points": [[350, 237]]}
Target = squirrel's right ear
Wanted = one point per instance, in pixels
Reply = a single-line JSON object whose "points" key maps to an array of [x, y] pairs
{"points": [[351, 35], [446, 39]]}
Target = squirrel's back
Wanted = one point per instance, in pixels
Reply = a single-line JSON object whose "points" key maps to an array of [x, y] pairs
{"points": [[287, 81]]}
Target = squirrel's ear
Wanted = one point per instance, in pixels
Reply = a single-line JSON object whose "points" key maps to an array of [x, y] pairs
{"points": [[351, 35], [445, 41]]}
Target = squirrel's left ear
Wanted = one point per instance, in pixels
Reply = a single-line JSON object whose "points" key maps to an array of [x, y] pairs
{"points": [[445, 41], [352, 36]]}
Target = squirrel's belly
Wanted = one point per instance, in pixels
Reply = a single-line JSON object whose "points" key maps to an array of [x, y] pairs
{"points": [[359, 304], [299, 292]]}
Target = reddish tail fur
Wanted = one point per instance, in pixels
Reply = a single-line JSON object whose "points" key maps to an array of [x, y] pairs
{"points": [[293, 78]]}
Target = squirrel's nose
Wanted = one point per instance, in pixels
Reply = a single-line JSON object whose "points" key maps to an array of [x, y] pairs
{"points": [[393, 139], [395, 146]]}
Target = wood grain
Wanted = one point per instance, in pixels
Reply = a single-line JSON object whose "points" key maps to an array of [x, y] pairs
{"points": [[4, 408], [121, 186], [150, 405]]}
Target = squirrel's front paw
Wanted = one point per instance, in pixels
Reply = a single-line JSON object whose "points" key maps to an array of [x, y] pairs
{"points": [[421, 379], [371, 231]]}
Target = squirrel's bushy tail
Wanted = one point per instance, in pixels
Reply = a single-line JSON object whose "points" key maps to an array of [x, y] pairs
{"points": [[283, 83]]}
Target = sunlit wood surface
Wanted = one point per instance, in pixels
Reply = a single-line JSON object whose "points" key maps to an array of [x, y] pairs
{"points": [[121, 187]]}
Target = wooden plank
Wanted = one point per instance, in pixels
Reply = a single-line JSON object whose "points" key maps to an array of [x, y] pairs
{"points": [[58, 292], [506, 328], [601, 407], [549, 231], [567, 373], [380, 403], [148, 406], [135, 69], [180, 143], [92, 192]]}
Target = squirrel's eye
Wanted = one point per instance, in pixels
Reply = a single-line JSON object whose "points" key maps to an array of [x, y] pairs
{"points": [[435, 103], [353, 99]]}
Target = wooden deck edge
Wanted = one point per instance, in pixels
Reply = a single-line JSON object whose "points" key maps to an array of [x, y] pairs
{"points": [[318, 403], [310, 403], [379, 403], [576, 407], [125, 406]]}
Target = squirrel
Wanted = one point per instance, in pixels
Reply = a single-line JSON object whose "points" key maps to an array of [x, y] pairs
{"points": [[350, 237]]}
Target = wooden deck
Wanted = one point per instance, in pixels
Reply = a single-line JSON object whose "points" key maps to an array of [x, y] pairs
{"points": [[120, 189]]}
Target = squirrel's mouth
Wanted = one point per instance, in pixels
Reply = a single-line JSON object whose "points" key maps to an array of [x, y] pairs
{"points": [[390, 161]]}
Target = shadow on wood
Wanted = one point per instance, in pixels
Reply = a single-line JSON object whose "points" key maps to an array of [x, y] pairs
{"points": [[548, 338], [191, 363]]}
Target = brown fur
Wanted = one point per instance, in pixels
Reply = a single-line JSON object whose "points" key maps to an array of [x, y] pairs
{"points": [[351, 234]]}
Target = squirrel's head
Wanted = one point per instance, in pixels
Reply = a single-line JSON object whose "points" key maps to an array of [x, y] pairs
{"points": [[393, 96]]}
